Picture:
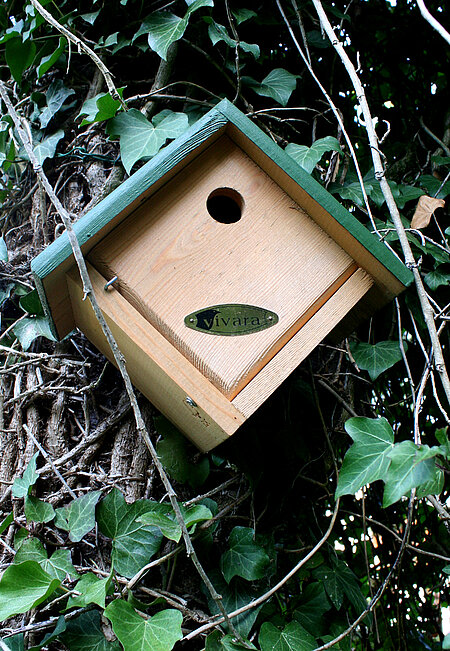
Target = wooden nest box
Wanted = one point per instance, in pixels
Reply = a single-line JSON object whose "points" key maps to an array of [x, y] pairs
{"points": [[232, 265]]}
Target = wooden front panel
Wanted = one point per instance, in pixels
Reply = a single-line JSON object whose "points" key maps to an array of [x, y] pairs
{"points": [[173, 258]]}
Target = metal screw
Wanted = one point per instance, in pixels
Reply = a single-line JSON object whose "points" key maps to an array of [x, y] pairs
{"points": [[190, 402], [110, 283], [191, 320], [270, 318]]}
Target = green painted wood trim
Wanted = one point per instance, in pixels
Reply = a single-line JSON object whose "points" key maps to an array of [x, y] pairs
{"points": [[97, 218], [368, 240]]}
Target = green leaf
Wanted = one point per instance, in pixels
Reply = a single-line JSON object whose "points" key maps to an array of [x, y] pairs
{"points": [[99, 108], [241, 15], [37, 510], [139, 138], [31, 303], [29, 329], [47, 147], [48, 61], [314, 604], [164, 28], [308, 157], [435, 279], [58, 566], [244, 558], [292, 637], [3, 250], [4, 524], [90, 17], [235, 595], [446, 569], [55, 97], [85, 633], [133, 542], [15, 642], [78, 517], [22, 485], [158, 633], [50, 637], [279, 85], [446, 642], [163, 517], [217, 641], [218, 33], [92, 589], [367, 460], [174, 452], [377, 358], [19, 56], [24, 586], [351, 191], [411, 465]]}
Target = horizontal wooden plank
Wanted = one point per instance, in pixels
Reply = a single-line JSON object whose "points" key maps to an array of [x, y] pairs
{"points": [[156, 368]]}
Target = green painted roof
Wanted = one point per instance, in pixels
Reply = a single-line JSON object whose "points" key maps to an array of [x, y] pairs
{"points": [[139, 182]]}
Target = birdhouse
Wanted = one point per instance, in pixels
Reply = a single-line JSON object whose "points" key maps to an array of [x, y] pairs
{"points": [[219, 266]]}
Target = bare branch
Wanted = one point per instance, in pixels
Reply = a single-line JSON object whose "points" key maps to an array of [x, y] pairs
{"points": [[433, 22]]}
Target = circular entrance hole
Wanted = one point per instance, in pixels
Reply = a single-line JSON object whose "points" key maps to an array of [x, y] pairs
{"points": [[225, 205]]}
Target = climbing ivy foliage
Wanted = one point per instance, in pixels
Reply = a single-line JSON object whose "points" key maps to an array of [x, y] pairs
{"points": [[83, 565]]}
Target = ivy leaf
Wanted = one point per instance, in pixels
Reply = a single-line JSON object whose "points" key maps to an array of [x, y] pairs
{"points": [[218, 33], [292, 637], [234, 596], [78, 517], [173, 450], [31, 303], [139, 138], [446, 642], [47, 147], [242, 15], [58, 566], [164, 28], [158, 633], [217, 641], [50, 637], [367, 460], [411, 465], [308, 157], [279, 85], [84, 633], [56, 96], [92, 589], [24, 586], [314, 604], [163, 517], [37, 510], [133, 542], [22, 485], [244, 558], [376, 358], [19, 56], [48, 61], [15, 642], [99, 108], [425, 209], [436, 278], [351, 191]]}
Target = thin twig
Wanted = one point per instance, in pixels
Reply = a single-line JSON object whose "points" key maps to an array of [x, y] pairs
{"points": [[81, 46], [432, 21], [387, 193]]}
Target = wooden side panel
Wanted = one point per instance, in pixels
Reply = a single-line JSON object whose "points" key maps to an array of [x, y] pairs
{"points": [[173, 258], [156, 368], [299, 347]]}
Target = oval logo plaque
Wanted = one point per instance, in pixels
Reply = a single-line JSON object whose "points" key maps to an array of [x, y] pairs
{"points": [[231, 319]]}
